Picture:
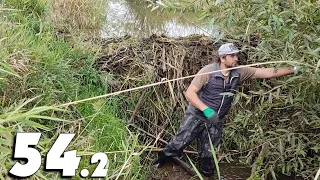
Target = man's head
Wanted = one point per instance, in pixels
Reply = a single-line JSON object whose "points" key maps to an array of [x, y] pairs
{"points": [[228, 55]]}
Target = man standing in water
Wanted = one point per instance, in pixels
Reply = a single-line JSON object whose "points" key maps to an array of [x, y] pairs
{"points": [[209, 103]]}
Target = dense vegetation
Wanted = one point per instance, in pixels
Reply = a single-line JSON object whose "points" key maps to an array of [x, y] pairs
{"points": [[46, 60], [279, 119]]}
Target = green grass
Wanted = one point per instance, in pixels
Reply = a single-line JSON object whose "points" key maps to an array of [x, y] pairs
{"points": [[108, 133], [37, 61]]}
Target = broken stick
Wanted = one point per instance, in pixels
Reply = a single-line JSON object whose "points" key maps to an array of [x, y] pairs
{"points": [[161, 149]]}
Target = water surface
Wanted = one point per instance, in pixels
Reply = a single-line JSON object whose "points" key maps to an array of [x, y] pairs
{"points": [[134, 18]]}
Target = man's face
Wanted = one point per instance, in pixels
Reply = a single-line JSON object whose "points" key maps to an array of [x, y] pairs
{"points": [[230, 60]]}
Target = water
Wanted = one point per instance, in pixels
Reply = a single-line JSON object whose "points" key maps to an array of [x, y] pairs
{"points": [[134, 18]]}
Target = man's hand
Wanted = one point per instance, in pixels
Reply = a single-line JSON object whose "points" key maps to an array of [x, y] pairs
{"points": [[211, 115]]}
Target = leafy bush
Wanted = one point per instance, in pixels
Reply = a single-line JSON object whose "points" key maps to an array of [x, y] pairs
{"points": [[282, 115]]}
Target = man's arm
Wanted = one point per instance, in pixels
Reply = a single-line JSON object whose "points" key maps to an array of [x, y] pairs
{"points": [[193, 97], [263, 73]]}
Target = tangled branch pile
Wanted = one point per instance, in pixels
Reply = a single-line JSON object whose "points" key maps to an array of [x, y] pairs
{"points": [[132, 63], [267, 114]]}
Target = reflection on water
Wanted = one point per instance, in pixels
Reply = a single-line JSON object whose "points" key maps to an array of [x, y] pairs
{"points": [[132, 17]]}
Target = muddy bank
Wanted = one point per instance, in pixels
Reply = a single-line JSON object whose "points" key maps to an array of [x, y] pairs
{"points": [[172, 171]]}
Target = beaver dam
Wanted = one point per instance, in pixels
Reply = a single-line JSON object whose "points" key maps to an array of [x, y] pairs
{"points": [[262, 130]]}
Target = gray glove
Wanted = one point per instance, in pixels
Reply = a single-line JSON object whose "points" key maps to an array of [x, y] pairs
{"points": [[213, 119], [211, 115]]}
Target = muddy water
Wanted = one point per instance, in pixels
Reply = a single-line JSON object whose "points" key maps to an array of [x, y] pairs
{"points": [[134, 18]]}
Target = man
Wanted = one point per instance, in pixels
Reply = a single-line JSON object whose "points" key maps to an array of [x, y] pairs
{"points": [[210, 100]]}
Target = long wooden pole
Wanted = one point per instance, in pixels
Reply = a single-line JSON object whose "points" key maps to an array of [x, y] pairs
{"points": [[162, 82]]}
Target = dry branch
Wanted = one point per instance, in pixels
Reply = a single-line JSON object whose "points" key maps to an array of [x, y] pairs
{"points": [[185, 151]]}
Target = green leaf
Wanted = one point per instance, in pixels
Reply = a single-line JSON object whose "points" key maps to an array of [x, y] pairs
{"points": [[261, 13], [211, 22], [22, 105], [6, 69], [273, 133], [20, 129], [281, 147], [308, 37], [204, 16], [48, 118], [268, 29], [316, 149], [301, 163], [17, 116], [214, 157], [230, 17], [282, 130], [36, 125], [4, 142], [293, 78], [236, 99], [318, 65], [1, 177], [195, 169], [291, 36], [314, 52], [5, 150]]}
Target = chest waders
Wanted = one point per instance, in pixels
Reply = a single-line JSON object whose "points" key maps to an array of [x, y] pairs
{"points": [[216, 95]]}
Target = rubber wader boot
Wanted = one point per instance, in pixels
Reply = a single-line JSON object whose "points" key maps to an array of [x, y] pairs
{"points": [[162, 160], [206, 166]]}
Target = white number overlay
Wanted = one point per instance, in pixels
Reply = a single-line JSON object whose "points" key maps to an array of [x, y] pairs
{"points": [[100, 170], [22, 151], [69, 163]]}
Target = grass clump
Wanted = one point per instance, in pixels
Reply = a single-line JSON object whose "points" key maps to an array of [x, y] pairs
{"points": [[38, 61], [71, 15]]}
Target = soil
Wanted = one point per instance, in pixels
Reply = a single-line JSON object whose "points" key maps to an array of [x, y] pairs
{"points": [[229, 171], [172, 171]]}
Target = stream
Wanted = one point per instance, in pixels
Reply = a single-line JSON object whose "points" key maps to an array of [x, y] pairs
{"points": [[134, 18]]}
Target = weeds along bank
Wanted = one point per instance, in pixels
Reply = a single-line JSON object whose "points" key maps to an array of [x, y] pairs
{"points": [[282, 120], [277, 120], [46, 62]]}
